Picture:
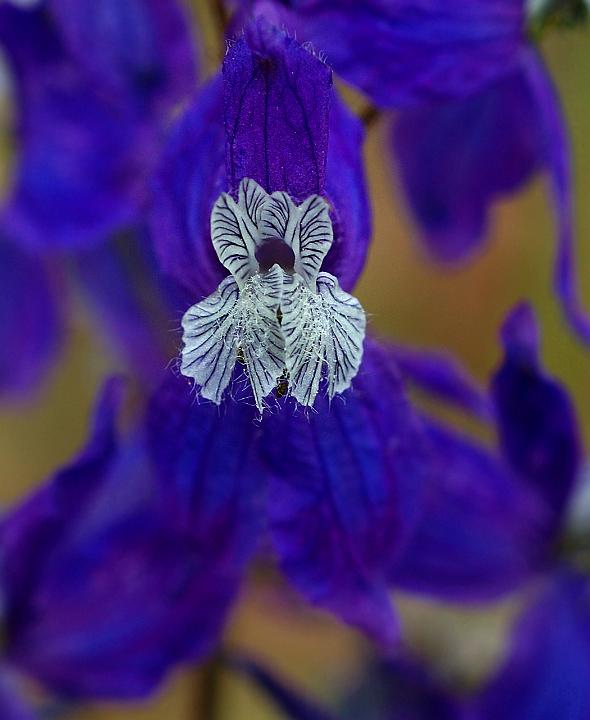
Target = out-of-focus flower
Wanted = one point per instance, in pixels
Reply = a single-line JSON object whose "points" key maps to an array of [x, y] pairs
{"points": [[94, 85], [102, 591], [493, 518], [479, 113], [337, 486]]}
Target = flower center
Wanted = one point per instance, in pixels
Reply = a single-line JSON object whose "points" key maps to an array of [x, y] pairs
{"points": [[291, 326], [275, 251]]}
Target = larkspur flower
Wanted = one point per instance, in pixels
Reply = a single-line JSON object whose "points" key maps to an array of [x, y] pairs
{"points": [[470, 84], [337, 488], [102, 591], [288, 321], [93, 85]]}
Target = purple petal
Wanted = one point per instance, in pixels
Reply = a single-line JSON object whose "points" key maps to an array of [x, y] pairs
{"points": [[277, 101], [345, 491], [346, 190], [412, 50], [190, 178], [457, 158], [480, 530], [292, 703], [142, 49], [81, 562], [546, 672], [537, 424], [555, 153], [30, 321], [441, 376], [208, 460], [30, 531]]}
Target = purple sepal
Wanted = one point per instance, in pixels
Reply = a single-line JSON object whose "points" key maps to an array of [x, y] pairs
{"points": [[407, 52], [345, 492], [480, 527], [140, 50], [347, 192], [207, 458], [548, 664], [443, 377], [266, 74], [30, 321], [457, 158], [190, 178], [277, 102], [536, 419], [80, 563], [36, 527]]}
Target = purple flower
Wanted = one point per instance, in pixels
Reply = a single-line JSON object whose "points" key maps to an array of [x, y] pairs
{"points": [[94, 85], [336, 486], [102, 590], [493, 518], [479, 113]]}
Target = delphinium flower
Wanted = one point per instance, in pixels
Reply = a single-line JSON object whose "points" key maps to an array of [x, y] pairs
{"points": [[102, 590], [260, 214], [479, 115], [93, 86]]}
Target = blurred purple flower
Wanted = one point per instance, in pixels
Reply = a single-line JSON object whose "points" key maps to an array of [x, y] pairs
{"points": [[337, 486], [493, 519], [94, 85], [479, 113], [103, 592]]}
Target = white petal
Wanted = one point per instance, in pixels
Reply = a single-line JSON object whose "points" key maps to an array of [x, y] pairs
{"points": [[260, 337], [324, 335], [231, 320], [234, 229], [211, 340], [306, 229], [344, 342]]}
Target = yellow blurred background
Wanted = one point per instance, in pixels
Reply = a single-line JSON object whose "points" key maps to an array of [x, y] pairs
{"points": [[410, 299]]}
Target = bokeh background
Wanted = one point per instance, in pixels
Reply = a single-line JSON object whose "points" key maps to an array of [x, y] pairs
{"points": [[410, 299]]}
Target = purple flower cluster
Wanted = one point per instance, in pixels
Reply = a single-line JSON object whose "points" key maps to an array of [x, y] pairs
{"points": [[285, 431]]}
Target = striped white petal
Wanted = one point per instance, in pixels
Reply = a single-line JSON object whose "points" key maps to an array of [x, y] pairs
{"points": [[260, 336], [235, 232], [306, 229], [324, 333], [229, 321], [211, 341]]}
